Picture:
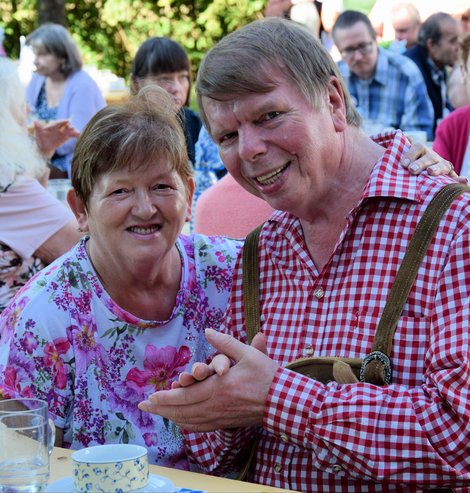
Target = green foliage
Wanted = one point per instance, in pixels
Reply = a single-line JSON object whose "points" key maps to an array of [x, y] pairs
{"points": [[109, 32]]}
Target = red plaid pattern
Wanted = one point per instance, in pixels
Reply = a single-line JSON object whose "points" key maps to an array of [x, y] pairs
{"points": [[411, 435]]}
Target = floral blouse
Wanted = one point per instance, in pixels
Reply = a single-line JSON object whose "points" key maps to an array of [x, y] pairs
{"points": [[15, 272], [63, 339]]}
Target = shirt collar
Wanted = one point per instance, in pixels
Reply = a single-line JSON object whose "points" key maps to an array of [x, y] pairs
{"points": [[381, 70]]}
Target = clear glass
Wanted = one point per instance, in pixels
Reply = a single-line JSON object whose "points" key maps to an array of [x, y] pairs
{"points": [[26, 442]]}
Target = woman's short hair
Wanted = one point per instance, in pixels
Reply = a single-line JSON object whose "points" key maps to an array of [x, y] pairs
{"points": [[269, 44], [56, 40], [158, 56], [136, 134]]}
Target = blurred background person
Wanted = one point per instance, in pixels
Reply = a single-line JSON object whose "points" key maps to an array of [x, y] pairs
{"points": [[436, 51], [387, 88], [458, 91], [397, 22], [163, 62], [123, 312], [452, 134], [60, 89], [35, 228], [406, 22]]}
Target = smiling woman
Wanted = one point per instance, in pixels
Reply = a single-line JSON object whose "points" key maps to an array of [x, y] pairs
{"points": [[122, 313]]}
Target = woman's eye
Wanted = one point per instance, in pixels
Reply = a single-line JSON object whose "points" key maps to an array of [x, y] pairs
{"points": [[161, 186], [119, 191], [227, 137]]}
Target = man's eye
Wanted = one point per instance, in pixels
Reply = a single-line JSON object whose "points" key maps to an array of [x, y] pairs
{"points": [[271, 115]]}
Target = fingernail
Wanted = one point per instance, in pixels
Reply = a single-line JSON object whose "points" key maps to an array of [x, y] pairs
{"points": [[405, 162], [413, 168]]}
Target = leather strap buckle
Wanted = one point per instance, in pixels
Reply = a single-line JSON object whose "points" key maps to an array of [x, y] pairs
{"points": [[382, 358]]}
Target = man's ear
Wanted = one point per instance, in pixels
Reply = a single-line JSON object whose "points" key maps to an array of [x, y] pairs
{"points": [[79, 209], [336, 104]]}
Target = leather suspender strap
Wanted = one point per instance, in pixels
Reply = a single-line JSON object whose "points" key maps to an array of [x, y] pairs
{"points": [[376, 367], [250, 272]]}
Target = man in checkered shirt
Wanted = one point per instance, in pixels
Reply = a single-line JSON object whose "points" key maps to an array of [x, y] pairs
{"points": [[273, 100]]}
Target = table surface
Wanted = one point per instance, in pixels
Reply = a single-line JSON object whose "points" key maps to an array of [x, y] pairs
{"points": [[61, 467]]}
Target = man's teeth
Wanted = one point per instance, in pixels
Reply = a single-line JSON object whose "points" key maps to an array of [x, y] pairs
{"points": [[270, 178], [143, 231]]}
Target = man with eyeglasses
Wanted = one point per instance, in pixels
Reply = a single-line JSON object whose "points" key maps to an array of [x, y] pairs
{"points": [[388, 90]]}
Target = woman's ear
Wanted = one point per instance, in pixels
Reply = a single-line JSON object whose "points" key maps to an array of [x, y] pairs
{"points": [[78, 209]]}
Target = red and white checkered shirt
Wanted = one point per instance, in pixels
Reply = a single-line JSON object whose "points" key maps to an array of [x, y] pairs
{"points": [[408, 436]]}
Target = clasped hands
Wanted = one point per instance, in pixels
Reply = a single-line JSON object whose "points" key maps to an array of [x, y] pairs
{"points": [[229, 392]]}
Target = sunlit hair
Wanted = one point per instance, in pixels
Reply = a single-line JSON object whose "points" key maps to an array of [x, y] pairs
{"points": [[18, 155], [410, 9], [56, 40], [158, 56], [465, 49], [244, 61], [141, 133]]}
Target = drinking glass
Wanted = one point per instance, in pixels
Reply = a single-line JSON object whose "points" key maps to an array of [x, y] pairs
{"points": [[26, 441]]}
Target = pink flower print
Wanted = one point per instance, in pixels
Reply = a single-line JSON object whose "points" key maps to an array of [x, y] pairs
{"points": [[12, 384], [87, 350], [151, 439], [161, 367], [10, 315], [29, 342], [220, 256], [52, 359]]}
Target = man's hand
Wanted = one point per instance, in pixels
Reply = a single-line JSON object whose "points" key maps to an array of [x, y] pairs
{"points": [[50, 136], [211, 401], [419, 158]]}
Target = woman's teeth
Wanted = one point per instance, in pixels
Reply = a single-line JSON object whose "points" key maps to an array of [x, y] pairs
{"points": [[144, 231], [270, 178]]}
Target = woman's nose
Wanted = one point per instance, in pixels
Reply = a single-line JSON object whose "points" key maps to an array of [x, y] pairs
{"points": [[144, 206]]}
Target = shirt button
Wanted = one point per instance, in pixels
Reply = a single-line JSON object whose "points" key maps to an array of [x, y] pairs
{"points": [[336, 468], [319, 293], [284, 437], [308, 351], [278, 467]]}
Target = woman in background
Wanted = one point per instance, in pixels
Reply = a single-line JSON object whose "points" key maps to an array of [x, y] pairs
{"points": [[35, 228], [60, 89], [163, 62]]}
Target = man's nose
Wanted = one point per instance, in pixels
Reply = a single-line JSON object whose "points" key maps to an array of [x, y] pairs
{"points": [[251, 145]]}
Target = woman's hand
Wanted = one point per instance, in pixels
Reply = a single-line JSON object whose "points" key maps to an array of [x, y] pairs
{"points": [[419, 158], [50, 136], [219, 365]]}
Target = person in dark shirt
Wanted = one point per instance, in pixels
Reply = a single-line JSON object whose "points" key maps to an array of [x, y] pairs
{"points": [[437, 48]]}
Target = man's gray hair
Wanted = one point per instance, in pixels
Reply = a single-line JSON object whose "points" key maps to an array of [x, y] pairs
{"points": [[243, 62]]}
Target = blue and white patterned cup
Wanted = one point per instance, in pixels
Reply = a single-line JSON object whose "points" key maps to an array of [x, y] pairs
{"points": [[115, 468]]}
